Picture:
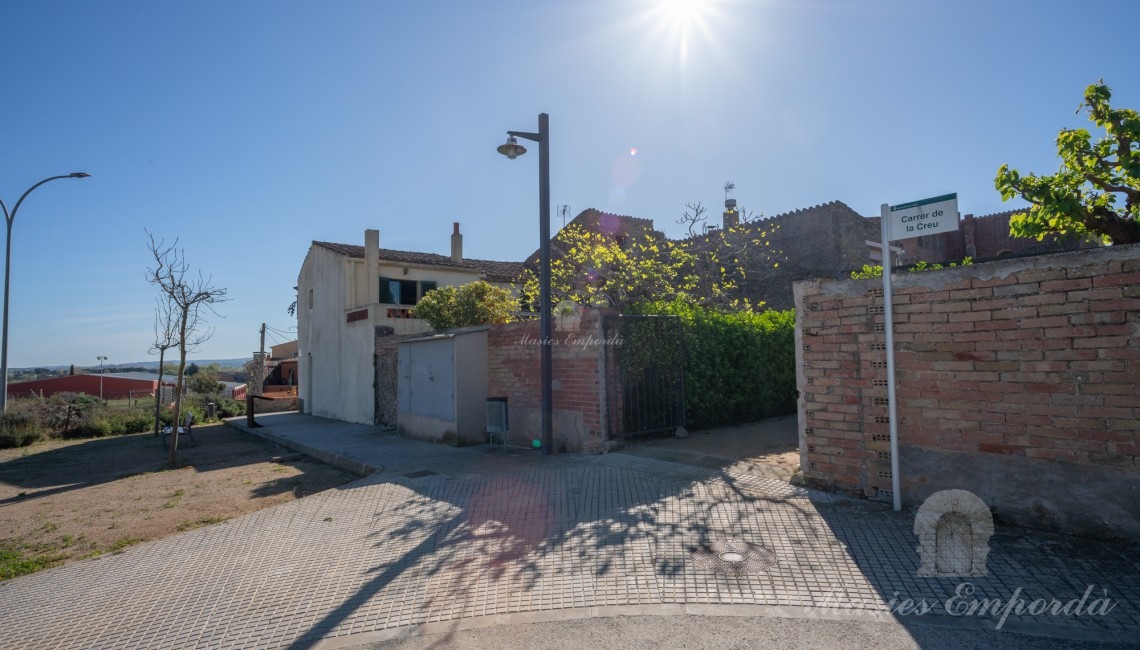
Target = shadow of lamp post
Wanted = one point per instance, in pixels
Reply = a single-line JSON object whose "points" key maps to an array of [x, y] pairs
{"points": [[512, 149], [10, 217]]}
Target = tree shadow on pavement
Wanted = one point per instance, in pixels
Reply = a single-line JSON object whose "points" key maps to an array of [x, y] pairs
{"points": [[570, 534]]}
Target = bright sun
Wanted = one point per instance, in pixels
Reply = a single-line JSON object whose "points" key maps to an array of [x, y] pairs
{"points": [[682, 14], [681, 21]]}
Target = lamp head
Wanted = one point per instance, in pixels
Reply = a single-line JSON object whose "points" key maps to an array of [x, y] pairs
{"points": [[78, 175], [512, 149]]}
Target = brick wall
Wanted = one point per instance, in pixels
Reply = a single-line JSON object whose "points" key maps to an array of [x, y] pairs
{"points": [[513, 372], [1017, 380], [586, 414]]}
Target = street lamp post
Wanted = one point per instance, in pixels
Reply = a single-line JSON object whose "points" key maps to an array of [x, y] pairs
{"points": [[101, 360], [512, 149], [10, 217]]}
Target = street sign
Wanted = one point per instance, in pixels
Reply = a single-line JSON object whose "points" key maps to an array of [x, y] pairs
{"points": [[926, 217]]}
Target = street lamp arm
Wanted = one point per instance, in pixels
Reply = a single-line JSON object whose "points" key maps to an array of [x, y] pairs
{"points": [[9, 218], [16, 208], [526, 135]]}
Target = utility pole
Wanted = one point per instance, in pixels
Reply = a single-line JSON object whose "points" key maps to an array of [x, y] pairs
{"points": [[261, 364]]}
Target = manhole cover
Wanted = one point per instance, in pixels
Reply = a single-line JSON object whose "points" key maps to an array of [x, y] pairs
{"points": [[420, 474], [733, 557]]}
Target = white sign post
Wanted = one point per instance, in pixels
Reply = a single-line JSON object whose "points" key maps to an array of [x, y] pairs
{"points": [[926, 217]]}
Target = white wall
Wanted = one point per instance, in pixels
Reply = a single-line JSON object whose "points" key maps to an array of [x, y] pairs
{"points": [[335, 368]]}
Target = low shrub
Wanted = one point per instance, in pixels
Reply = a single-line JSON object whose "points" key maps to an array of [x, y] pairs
{"points": [[230, 408], [94, 427], [19, 429]]}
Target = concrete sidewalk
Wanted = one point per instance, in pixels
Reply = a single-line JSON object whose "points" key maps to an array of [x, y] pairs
{"points": [[437, 536]]}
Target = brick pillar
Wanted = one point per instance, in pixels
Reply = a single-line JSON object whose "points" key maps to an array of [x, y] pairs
{"points": [[970, 236]]}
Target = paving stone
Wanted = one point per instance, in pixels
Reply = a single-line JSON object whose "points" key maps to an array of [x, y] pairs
{"points": [[490, 534]]}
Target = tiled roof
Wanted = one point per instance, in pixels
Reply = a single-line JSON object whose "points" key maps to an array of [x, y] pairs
{"points": [[490, 269]]}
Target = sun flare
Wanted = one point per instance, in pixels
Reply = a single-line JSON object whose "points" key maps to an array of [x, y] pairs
{"points": [[683, 14], [682, 21]]}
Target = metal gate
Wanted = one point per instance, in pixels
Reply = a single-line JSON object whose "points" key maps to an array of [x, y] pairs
{"points": [[651, 372]]}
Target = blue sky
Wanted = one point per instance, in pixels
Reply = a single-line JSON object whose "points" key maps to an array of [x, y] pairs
{"points": [[247, 129]]}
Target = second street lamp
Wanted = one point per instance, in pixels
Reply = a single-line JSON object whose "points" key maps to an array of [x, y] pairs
{"points": [[10, 217], [101, 360], [512, 149]]}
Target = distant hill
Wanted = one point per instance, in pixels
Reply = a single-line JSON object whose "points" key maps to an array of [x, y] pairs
{"points": [[111, 367]]}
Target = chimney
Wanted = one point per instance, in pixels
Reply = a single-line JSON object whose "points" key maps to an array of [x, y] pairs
{"points": [[372, 265], [731, 216], [456, 244]]}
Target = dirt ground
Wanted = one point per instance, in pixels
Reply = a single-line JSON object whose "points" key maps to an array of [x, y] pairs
{"points": [[768, 448], [66, 500]]}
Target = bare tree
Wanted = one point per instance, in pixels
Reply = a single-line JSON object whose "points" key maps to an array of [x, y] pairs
{"points": [[694, 216], [165, 337], [189, 298]]}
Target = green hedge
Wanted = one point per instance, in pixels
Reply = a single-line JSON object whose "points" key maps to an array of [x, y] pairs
{"points": [[739, 367]]}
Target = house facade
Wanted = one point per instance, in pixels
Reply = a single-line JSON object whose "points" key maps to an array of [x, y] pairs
{"points": [[345, 292]]}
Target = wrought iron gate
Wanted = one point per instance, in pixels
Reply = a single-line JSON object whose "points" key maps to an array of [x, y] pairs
{"points": [[650, 367]]}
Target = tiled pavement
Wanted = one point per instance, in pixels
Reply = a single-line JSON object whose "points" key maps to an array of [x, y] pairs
{"points": [[493, 534]]}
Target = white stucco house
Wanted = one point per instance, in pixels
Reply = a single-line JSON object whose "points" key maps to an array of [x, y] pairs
{"points": [[346, 291]]}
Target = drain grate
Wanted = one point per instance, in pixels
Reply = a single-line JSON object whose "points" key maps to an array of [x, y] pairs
{"points": [[733, 557], [420, 474]]}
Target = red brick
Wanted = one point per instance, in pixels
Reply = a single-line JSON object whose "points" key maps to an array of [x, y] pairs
{"points": [[1066, 285], [1118, 279]]}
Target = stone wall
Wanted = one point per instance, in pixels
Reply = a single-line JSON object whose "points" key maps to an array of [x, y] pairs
{"points": [[1018, 380]]}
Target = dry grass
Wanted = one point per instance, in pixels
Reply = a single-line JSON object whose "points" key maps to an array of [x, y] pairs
{"points": [[66, 500]]}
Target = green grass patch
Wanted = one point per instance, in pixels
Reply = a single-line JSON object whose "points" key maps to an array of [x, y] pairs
{"points": [[17, 559], [205, 521], [123, 543], [173, 499]]}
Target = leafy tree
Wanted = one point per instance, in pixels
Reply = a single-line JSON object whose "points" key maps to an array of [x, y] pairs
{"points": [[205, 381], [191, 370], [724, 262], [596, 269], [591, 268], [475, 303], [1085, 196]]}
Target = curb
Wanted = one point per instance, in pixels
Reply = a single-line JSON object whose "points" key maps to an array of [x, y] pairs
{"points": [[352, 465], [1026, 630]]}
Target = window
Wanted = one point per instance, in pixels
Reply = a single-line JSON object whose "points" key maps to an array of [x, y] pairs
{"points": [[397, 292], [404, 292]]}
